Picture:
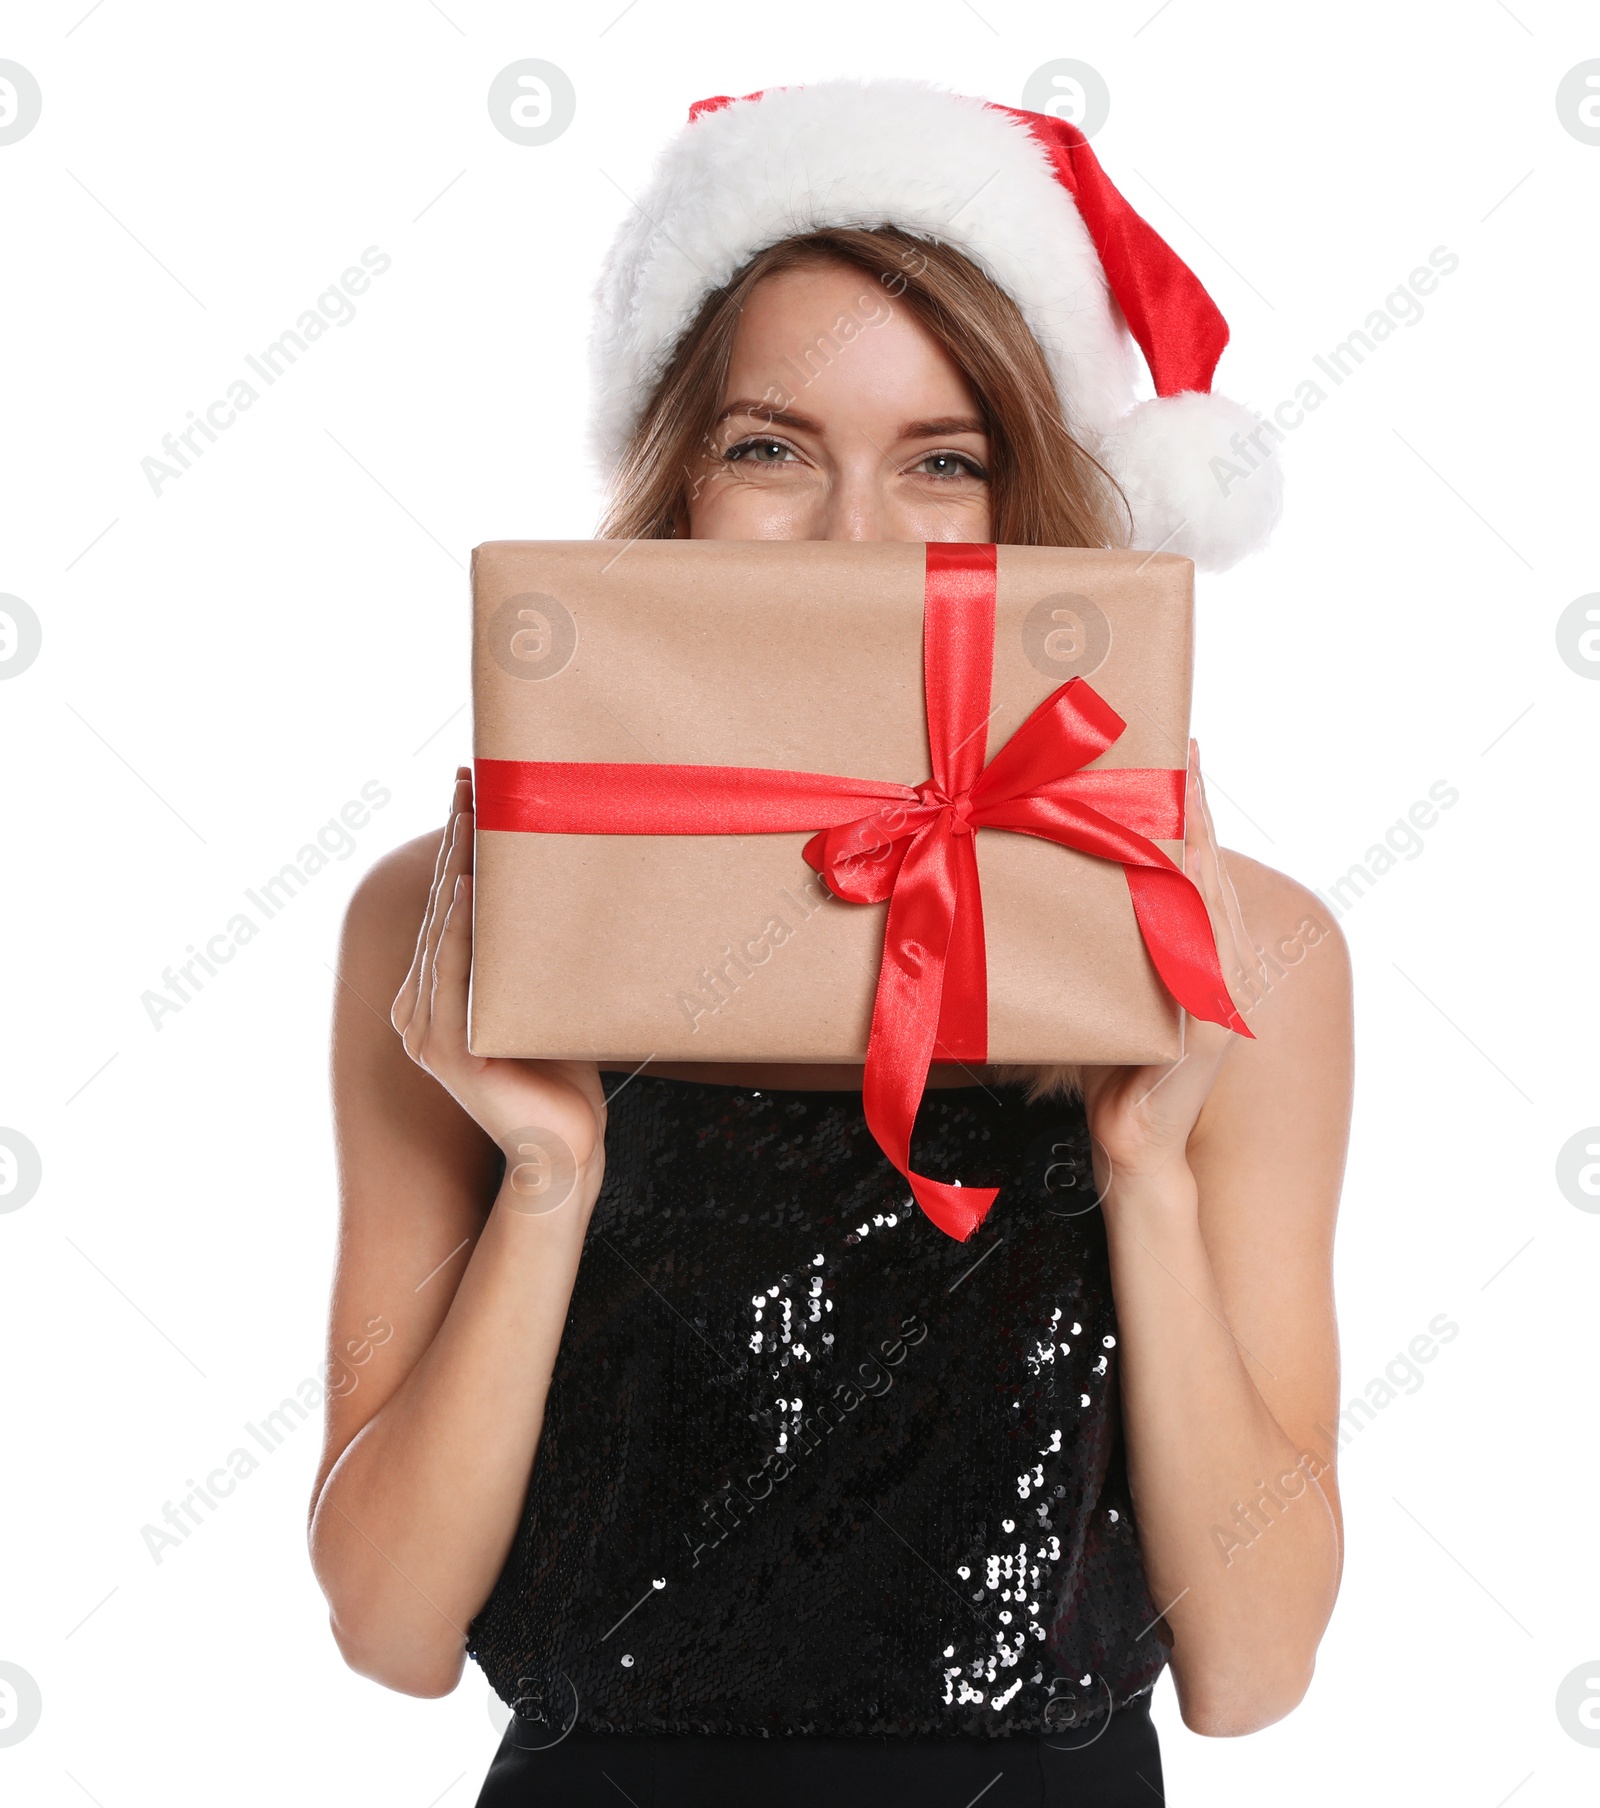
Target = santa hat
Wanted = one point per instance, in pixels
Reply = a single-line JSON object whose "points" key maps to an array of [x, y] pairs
{"points": [[1019, 193]]}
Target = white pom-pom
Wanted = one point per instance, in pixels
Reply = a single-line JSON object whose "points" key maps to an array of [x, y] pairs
{"points": [[1202, 476]]}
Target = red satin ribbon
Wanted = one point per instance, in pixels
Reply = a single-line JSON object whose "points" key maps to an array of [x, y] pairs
{"points": [[912, 845]]}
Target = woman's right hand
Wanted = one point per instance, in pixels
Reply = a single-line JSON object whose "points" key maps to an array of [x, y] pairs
{"points": [[547, 1116]]}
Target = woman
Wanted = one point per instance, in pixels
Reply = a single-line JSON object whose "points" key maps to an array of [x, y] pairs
{"points": [[1075, 1449]]}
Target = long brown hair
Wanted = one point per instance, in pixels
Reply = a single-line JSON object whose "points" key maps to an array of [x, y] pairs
{"points": [[1045, 488]]}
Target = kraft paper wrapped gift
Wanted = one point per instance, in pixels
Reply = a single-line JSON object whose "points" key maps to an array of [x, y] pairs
{"points": [[602, 670]]}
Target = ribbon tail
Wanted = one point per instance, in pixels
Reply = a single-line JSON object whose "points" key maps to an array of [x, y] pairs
{"points": [[905, 1022], [1172, 916], [963, 1033], [1182, 946], [957, 1210]]}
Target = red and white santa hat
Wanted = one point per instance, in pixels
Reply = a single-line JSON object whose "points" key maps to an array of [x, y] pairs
{"points": [[1019, 193]]}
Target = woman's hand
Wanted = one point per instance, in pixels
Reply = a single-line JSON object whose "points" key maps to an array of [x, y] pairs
{"points": [[560, 1100], [1140, 1118]]}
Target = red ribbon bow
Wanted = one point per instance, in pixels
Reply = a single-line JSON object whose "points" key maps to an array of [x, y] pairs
{"points": [[913, 845]]}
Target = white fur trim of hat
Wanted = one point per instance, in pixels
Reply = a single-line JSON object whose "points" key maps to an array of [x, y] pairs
{"points": [[1024, 197]]}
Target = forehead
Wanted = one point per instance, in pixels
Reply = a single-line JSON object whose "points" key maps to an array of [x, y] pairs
{"points": [[833, 334]]}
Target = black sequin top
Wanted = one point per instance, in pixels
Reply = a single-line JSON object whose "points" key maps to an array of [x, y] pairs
{"points": [[809, 1465]]}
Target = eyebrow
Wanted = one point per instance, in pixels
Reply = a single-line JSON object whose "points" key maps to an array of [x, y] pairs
{"points": [[936, 428], [764, 411], [945, 424]]}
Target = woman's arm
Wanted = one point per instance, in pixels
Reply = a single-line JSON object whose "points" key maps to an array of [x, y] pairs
{"points": [[449, 1297], [1221, 1180]]}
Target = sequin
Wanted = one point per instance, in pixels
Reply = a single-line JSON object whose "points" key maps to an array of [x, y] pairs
{"points": [[851, 1531]]}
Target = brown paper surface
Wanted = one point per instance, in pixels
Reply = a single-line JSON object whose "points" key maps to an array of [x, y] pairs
{"points": [[807, 655]]}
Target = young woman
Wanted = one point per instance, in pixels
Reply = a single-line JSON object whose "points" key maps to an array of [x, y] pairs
{"points": [[1060, 1456]]}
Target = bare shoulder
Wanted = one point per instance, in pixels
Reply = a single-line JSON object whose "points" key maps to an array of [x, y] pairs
{"points": [[1293, 931], [387, 1106], [383, 918], [389, 900], [1293, 1082], [1279, 903], [382, 923]]}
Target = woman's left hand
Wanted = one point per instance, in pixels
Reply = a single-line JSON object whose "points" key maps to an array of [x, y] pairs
{"points": [[1141, 1117]]}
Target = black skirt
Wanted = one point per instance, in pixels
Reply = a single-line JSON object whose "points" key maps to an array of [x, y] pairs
{"points": [[1116, 1766]]}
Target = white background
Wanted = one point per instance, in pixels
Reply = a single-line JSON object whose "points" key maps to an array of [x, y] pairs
{"points": [[225, 664]]}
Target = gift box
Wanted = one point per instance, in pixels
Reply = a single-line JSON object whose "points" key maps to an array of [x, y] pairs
{"points": [[833, 802]]}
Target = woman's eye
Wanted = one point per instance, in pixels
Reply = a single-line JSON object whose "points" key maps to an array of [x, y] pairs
{"points": [[759, 452], [948, 465]]}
